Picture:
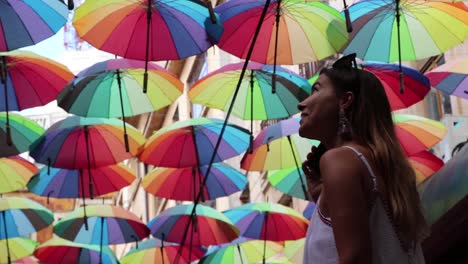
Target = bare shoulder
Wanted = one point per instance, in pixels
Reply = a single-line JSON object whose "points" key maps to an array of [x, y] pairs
{"points": [[341, 165]]}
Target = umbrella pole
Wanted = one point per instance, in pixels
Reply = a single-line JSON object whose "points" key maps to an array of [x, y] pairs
{"points": [[228, 114], [304, 189], [240, 254], [265, 235], [194, 229], [3, 74], [200, 194], [101, 242], [119, 83], [149, 14], [6, 236], [88, 155], [273, 77], [349, 25], [400, 69], [162, 248], [194, 189], [209, 5], [251, 110], [84, 200]]}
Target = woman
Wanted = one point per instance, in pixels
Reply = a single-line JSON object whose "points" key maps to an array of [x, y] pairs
{"points": [[368, 209]]}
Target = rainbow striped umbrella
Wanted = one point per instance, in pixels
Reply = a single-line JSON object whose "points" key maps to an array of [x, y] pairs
{"points": [[15, 173], [29, 80], [451, 78], [191, 143], [307, 31], [21, 217], [417, 133], [149, 30], [63, 183], [288, 181], [425, 164], [157, 251], [13, 249], [85, 143], [184, 183], [294, 250], [241, 250], [113, 88], [57, 250], [25, 23], [207, 226], [17, 133]]}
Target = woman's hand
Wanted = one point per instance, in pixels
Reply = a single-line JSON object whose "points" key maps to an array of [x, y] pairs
{"points": [[314, 181]]}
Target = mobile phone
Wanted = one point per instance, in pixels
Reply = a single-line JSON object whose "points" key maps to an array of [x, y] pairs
{"points": [[314, 162]]}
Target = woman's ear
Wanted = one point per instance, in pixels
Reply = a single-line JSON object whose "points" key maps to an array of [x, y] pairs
{"points": [[346, 100]]}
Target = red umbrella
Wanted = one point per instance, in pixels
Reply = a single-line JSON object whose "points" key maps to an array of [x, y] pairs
{"points": [[425, 164]]}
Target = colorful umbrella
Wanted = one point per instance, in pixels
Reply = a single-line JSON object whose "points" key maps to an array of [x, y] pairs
{"points": [[184, 183], [150, 30], [29, 80], [85, 143], [21, 217], [405, 30], [63, 183], [191, 143], [101, 225], [425, 164], [293, 31], [25, 23], [309, 210], [208, 226], [15, 172], [113, 88], [16, 248], [294, 250], [156, 251], [279, 146], [17, 133], [263, 220], [417, 133], [258, 102], [288, 181], [241, 250], [57, 250], [451, 78], [445, 188], [415, 84]]}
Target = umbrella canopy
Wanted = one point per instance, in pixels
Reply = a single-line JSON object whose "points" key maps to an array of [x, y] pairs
{"points": [[445, 188], [157, 251], [57, 250], [425, 164], [293, 31], [417, 133], [29, 80], [17, 133], [25, 23], [101, 225], [294, 250], [451, 78], [113, 88], [16, 248], [255, 99], [426, 29], [288, 181], [191, 143], [207, 226], [262, 220], [21, 217], [15, 172], [63, 183], [415, 84], [149, 30], [241, 250], [184, 183], [85, 143]]}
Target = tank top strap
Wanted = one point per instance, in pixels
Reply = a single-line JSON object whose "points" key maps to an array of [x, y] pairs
{"points": [[369, 168]]}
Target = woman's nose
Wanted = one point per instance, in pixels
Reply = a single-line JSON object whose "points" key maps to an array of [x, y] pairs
{"points": [[301, 106]]}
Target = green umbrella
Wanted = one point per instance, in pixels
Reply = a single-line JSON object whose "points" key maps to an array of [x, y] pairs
{"points": [[288, 181], [17, 133], [16, 248]]}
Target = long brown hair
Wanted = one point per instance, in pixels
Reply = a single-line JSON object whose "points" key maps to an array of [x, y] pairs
{"points": [[371, 121]]}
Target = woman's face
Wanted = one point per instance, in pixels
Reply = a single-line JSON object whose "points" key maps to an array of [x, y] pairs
{"points": [[319, 111]]}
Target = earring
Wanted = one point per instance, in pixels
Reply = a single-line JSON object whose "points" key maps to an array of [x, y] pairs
{"points": [[344, 126]]}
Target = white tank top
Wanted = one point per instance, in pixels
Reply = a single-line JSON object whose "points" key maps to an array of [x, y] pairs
{"points": [[320, 247]]}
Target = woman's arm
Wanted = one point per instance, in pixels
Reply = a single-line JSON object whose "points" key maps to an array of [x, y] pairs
{"points": [[346, 204]]}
